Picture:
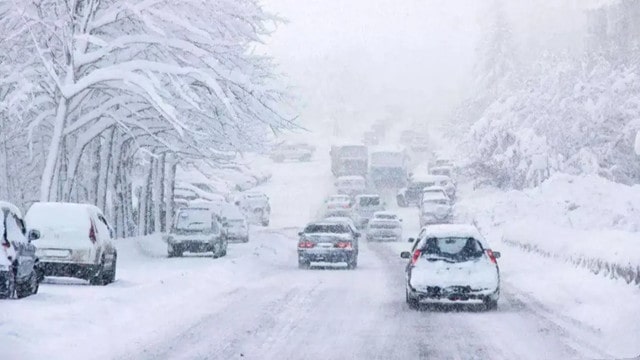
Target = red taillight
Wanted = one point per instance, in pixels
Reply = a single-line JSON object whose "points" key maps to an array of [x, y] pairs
{"points": [[6, 244], [306, 244], [491, 256], [343, 244], [416, 256], [92, 233]]}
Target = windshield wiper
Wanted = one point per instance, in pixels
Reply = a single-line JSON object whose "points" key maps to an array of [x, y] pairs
{"points": [[431, 257]]}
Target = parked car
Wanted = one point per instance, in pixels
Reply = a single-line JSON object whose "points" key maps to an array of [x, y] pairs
{"points": [[235, 224], [255, 205], [384, 227], [442, 170], [299, 152], [442, 181], [364, 207], [435, 209], [19, 266], [74, 240], [411, 195], [196, 230], [327, 242], [434, 190], [351, 185], [452, 264]]}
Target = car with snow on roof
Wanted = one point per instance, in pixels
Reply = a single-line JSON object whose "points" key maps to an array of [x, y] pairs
{"points": [[412, 194], [327, 242], [364, 207], [384, 226], [288, 151], [255, 205], [73, 240], [19, 265], [350, 185], [435, 208], [196, 230], [452, 264]]}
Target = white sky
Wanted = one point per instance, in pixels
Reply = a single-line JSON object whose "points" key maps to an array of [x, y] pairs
{"points": [[356, 60]]}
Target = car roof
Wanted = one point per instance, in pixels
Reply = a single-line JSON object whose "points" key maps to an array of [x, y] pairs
{"points": [[452, 230], [351, 177], [434, 196], [428, 178], [385, 213], [9, 206], [433, 189], [367, 196]]}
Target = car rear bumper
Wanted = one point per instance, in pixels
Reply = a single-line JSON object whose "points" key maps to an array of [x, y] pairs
{"points": [[193, 246], [332, 256], [454, 295], [383, 237], [76, 270]]}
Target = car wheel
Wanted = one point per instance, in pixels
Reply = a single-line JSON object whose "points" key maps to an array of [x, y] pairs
{"points": [[27, 288], [110, 276], [303, 264], [224, 249], [245, 240], [491, 305], [265, 223], [98, 278], [412, 302], [217, 249], [353, 263]]}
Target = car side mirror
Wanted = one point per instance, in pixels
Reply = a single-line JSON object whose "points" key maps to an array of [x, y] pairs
{"points": [[405, 255], [300, 233], [497, 254], [400, 220], [34, 235], [411, 240], [358, 235]]}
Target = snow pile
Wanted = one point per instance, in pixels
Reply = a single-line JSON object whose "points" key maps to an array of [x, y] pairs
{"points": [[585, 220]]}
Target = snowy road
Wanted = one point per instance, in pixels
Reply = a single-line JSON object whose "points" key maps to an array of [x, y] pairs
{"points": [[256, 304]]}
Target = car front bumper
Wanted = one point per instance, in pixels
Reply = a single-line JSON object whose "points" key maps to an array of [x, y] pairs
{"points": [[454, 294], [76, 270], [193, 245]]}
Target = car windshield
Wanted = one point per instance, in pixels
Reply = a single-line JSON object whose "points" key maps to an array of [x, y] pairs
{"points": [[383, 225], [369, 201], [326, 228], [195, 219], [454, 248], [432, 202], [385, 216]]}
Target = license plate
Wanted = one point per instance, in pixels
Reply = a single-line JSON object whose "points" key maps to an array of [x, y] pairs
{"points": [[325, 245], [56, 253]]}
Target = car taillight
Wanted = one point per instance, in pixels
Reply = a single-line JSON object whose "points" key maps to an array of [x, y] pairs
{"points": [[416, 256], [343, 244], [92, 233], [491, 256], [306, 244], [6, 244]]}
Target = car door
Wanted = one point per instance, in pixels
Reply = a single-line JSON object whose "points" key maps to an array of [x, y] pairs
{"points": [[25, 251]]}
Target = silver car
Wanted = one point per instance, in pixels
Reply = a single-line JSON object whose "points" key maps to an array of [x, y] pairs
{"points": [[380, 229], [196, 230], [328, 242]]}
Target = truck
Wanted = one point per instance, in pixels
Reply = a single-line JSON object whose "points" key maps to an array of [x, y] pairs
{"points": [[389, 168], [347, 160]]}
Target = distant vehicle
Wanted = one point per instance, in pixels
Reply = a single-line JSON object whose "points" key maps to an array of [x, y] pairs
{"points": [[389, 167], [384, 226], [451, 264], [338, 202], [434, 190], [370, 138], [435, 209], [364, 208], [419, 144], [255, 205], [442, 170], [299, 152], [349, 160], [327, 242], [442, 181], [215, 206], [235, 224], [407, 137], [441, 162], [74, 240], [345, 221], [351, 185], [196, 230], [19, 266], [412, 194]]}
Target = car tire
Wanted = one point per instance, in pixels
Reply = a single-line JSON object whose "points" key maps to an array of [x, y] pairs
{"points": [[265, 223], [110, 276], [303, 264], [353, 263], [491, 305], [98, 278], [29, 287], [224, 249], [245, 240], [412, 302], [174, 252]]}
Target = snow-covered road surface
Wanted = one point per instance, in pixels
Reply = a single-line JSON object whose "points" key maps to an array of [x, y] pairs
{"points": [[256, 304]]}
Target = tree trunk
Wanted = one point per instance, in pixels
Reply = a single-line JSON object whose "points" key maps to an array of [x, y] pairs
{"points": [[169, 184], [48, 173], [158, 178]]}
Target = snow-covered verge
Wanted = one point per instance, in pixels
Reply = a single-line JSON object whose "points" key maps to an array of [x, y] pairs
{"points": [[555, 239]]}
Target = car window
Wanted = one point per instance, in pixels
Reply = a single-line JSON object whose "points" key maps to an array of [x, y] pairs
{"points": [[369, 201], [194, 219], [15, 228], [453, 248], [326, 228]]}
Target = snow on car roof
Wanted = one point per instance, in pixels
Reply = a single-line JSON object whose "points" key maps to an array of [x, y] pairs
{"points": [[452, 230], [433, 189], [428, 178], [361, 196], [351, 177], [387, 213], [432, 195], [9, 206]]}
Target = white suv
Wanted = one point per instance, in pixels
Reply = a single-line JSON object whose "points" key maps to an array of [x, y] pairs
{"points": [[74, 240]]}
